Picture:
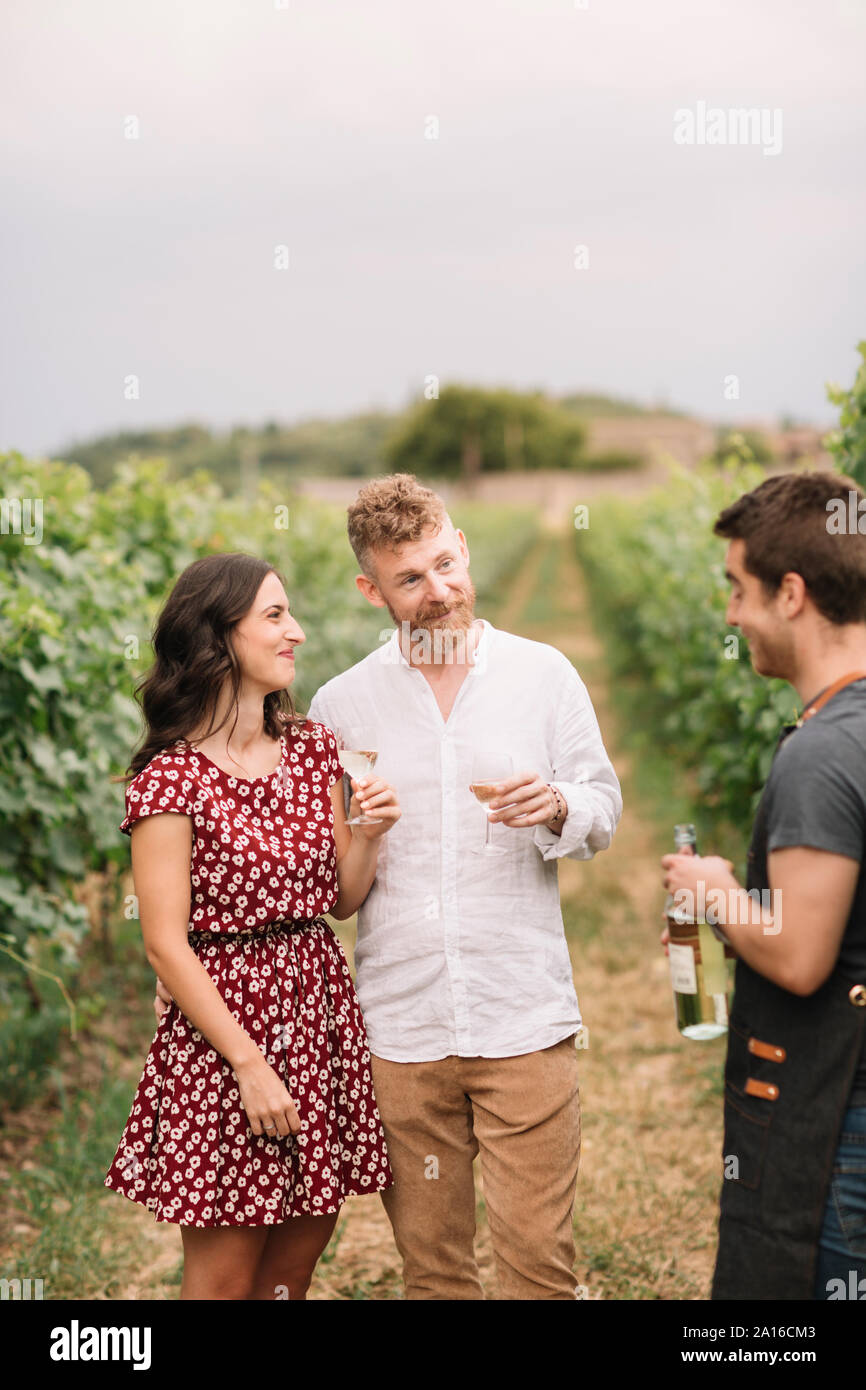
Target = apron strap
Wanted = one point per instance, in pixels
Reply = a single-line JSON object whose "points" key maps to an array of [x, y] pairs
{"points": [[828, 695]]}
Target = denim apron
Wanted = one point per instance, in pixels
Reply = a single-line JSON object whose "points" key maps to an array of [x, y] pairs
{"points": [[789, 1070]]}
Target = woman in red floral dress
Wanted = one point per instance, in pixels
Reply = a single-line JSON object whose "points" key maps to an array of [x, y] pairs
{"points": [[255, 1115]]}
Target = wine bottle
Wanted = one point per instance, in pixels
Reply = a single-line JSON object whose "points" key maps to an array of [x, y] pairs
{"points": [[699, 975]]}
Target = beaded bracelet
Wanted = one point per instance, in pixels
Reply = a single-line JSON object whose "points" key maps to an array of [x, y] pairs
{"points": [[560, 805]]}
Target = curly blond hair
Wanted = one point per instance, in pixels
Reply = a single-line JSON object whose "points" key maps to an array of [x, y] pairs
{"points": [[390, 511]]}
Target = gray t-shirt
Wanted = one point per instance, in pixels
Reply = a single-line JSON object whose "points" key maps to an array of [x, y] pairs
{"points": [[816, 796]]}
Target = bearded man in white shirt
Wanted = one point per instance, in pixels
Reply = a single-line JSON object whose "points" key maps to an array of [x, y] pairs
{"points": [[463, 970]]}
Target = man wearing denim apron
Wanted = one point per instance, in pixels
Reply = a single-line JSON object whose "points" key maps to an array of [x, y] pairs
{"points": [[793, 1204]]}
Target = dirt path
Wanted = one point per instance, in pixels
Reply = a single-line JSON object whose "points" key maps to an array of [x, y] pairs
{"points": [[648, 1187]]}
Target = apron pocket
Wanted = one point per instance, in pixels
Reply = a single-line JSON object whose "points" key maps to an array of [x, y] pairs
{"points": [[746, 1135]]}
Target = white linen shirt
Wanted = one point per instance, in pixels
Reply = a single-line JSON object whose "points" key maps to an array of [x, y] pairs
{"points": [[458, 953]]}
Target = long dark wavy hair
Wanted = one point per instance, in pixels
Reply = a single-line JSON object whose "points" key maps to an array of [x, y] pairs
{"points": [[194, 655]]}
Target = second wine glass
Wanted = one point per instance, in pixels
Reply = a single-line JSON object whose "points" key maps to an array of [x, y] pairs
{"points": [[487, 770]]}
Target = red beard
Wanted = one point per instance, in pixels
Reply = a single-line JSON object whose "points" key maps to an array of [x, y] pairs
{"points": [[460, 614]]}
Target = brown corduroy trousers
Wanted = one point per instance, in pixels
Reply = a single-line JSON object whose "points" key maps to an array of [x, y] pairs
{"points": [[522, 1115]]}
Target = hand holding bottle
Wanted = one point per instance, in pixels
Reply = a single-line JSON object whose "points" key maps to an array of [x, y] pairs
{"points": [[696, 957], [666, 858]]}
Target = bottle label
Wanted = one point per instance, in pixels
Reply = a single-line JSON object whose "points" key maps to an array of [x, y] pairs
{"points": [[684, 976]]}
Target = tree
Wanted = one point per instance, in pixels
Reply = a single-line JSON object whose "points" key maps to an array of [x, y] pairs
{"points": [[467, 430], [741, 446]]}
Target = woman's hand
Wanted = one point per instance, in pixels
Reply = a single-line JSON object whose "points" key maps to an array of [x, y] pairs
{"points": [[374, 797], [263, 1095], [268, 1104]]}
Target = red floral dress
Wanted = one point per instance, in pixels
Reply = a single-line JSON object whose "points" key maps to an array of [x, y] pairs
{"points": [[263, 871]]}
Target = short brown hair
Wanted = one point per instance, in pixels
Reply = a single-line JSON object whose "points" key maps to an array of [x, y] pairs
{"points": [[389, 511], [785, 525]]}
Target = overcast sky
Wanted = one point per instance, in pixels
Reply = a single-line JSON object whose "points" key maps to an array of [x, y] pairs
{"points": [[305, 124]]}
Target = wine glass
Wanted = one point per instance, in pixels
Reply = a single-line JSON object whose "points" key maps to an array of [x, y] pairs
{"points": [[356, 745], [487, 770]]}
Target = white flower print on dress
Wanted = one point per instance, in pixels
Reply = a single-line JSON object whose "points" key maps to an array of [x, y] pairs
{"points": [[187, 1152]]}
